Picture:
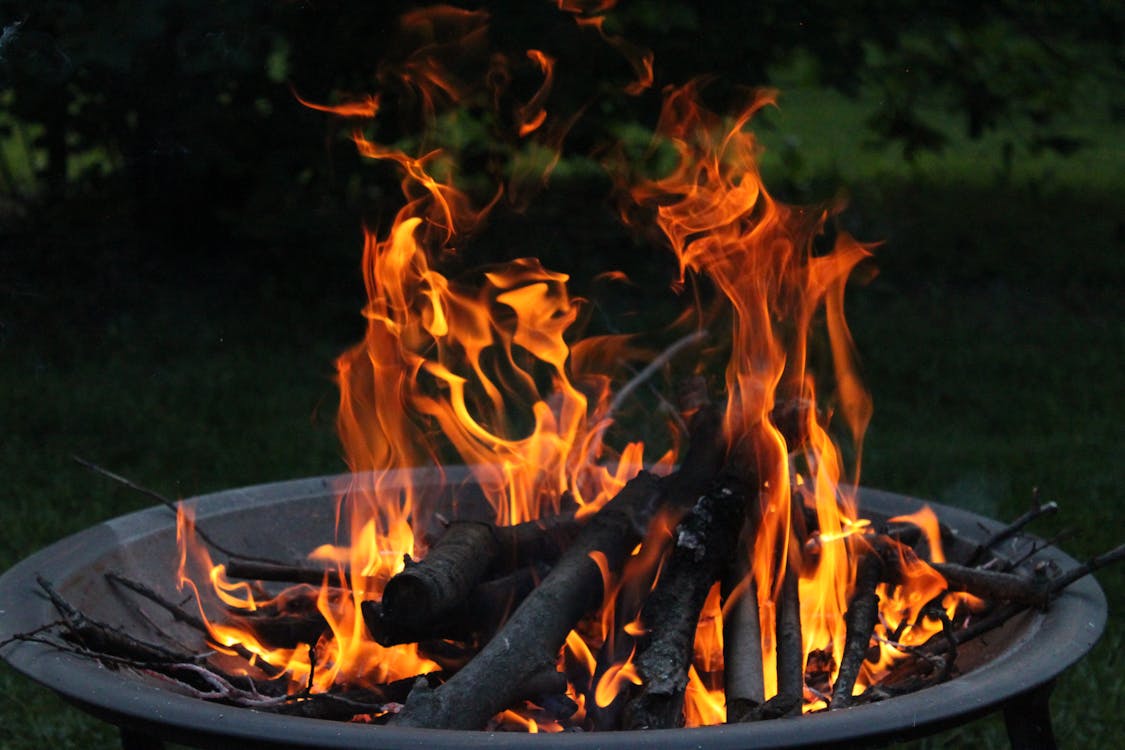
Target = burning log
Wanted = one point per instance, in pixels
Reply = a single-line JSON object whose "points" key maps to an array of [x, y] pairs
{"points": [[476, 618], [744, 684], [705, 541], [992, 584], [790, 653], [529, 642], [466, 554], [255, 570], [860, 619]]}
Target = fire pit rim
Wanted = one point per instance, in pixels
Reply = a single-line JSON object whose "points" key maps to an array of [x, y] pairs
{"points": [[1071, 627]]}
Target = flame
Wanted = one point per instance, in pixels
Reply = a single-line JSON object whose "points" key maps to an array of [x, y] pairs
{"points": [[489, 369]]}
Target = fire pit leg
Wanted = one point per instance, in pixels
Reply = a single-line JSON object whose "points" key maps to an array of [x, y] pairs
{"points": [[1028, 719], [131, 739]]}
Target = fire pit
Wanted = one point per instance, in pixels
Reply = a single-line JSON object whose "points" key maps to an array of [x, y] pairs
{"points": [[1002, 671], [551, 584]]}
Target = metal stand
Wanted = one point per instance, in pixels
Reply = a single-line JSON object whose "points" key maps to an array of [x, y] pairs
{"points": [[1028, 719], [131, 739]]}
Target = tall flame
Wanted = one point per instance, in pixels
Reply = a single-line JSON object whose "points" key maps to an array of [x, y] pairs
{"points": [[483, 370]]}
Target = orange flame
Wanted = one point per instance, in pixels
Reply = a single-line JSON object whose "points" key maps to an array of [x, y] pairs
{"points": [[484, 370]]}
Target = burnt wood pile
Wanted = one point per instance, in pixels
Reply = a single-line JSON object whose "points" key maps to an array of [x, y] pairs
{"points": [[493, 606]]}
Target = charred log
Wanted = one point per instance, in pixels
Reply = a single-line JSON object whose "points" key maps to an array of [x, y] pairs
{"points": [[860, 619], [255, 570], [529, 642], [475, 619], [992, 584], [705, 541], [466, 554]]}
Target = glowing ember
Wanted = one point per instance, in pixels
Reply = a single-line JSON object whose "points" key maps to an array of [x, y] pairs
{"points": [[489, 370]]}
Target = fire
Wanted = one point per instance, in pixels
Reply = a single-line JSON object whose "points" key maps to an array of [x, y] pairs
{"points": [[488, 369]]}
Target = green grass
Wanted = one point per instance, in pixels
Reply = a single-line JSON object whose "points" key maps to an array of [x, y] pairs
{"points": [[991, 341]]}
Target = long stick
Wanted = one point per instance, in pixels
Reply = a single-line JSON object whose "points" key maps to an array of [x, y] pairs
{"points": [[860, 619], [172, 505], [744, 684]]}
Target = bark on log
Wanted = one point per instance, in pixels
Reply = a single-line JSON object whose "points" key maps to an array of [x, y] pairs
{"points": [[253, 570], [993, 585], [529, 642], [705, 541], [468, 553], [860, 619], [790, 648], [427, 590], [474, 620], [744, 684], [790, 655]]}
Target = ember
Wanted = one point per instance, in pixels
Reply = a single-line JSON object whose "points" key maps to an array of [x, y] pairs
{"points": [[573, 580]]}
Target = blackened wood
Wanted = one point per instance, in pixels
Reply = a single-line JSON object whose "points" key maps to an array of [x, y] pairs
{"points": [[742, 656], [254, 570], [705, 541], [475, 619], [341, 704], [188, 618], [530, 641], [992, 584], [282, 630], [469, 552], [859, 620], [103, 639], [426, 590], [790, 654], [533, 542]]}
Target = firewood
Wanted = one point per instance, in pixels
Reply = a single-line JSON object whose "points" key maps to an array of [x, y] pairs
{"points": [[704, 541], [743, 678], [468, 553], [1037, 511], [181, 615], [790, 649], [744, 684], [101, 638], [860, 619], [426, 590], [476, 618], [529, 642], [992, 584], [255, 570], [345, 703]]}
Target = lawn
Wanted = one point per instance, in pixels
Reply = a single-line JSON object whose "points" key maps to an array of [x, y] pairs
{"points": [[991, 341]]}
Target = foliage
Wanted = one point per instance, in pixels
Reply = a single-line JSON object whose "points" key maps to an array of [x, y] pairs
{"points": [[186, 107]]}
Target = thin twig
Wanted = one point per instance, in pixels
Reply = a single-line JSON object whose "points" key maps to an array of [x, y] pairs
{"points": [[1037, 511], [173, 505], [1094, 563], [652, 368]]}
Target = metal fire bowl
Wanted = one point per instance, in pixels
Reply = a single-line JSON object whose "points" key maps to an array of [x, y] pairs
{"points": [[286, 519]]}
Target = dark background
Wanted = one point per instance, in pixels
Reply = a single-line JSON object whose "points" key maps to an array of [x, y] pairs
{"points": [[180, 239]]}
